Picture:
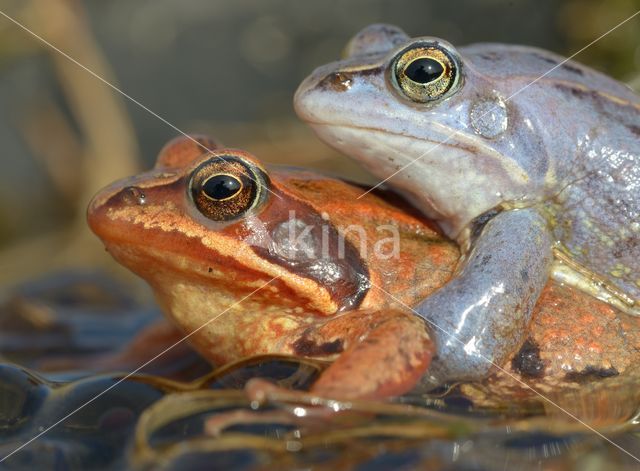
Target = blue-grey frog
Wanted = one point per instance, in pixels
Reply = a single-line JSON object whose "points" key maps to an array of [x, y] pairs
{"points": [[530, 162]]}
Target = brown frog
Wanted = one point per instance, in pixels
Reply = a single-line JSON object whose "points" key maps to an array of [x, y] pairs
{"points": [[279, 262]]}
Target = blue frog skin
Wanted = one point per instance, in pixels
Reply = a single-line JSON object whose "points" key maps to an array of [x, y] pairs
{"points": [[534, 172]]}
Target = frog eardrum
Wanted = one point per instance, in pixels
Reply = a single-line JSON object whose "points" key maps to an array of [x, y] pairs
{"points": [[226, 187], [425, 72]]}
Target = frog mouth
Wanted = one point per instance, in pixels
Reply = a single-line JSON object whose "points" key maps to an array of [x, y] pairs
{"points": [[348, 138], [442, 137]]}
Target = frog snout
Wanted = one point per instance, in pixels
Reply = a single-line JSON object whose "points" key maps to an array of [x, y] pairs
{"points": [[108, 200], [119, 197], [316, 95], [303, 99], [131, 196]]}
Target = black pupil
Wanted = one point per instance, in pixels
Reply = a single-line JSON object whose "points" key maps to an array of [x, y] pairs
{"points": [[221, 187], [424, 70]]}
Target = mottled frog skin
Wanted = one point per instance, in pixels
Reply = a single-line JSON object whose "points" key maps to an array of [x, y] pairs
{"points": [[530, 163]]}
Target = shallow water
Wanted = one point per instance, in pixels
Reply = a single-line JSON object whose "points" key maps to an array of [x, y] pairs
{"points": [[181, 415]]}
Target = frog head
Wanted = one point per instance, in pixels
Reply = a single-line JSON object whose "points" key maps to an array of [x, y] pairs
{"points": [[419, 113]]}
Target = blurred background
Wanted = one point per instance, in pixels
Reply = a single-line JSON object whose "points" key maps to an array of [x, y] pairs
{"points": [[224, 67]]}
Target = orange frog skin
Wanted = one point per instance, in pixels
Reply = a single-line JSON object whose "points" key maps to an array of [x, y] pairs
{"points": [[285, 261], [279, 262]]}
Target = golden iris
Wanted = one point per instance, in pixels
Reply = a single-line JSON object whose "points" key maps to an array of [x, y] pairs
{"points": [[425, 73], [226, 187]]}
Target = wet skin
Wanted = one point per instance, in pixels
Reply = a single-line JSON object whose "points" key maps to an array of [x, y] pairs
{"points": [[206, 230], [534, 176], [198, 267]]}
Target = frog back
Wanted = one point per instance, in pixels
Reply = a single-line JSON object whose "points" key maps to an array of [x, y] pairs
{"points": [[591, 153], [597, 210], [504, 62]]}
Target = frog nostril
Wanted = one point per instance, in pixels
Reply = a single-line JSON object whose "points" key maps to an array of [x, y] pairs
{"points": [[133, 195], [337, 81]]}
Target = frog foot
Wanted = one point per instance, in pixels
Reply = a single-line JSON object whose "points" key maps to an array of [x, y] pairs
{"points": [[293, 408], [378, 354], [217, 424]]}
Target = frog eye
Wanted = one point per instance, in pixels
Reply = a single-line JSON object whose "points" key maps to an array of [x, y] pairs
{"points": [[226, 187], [425, 72]]}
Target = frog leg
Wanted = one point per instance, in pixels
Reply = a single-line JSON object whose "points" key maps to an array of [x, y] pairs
{"points": [[481, 315], [383, 353], [377, 354]]}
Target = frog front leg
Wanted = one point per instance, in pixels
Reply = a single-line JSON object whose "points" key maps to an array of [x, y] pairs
{"points": [[480, 317], [381, 353]]}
